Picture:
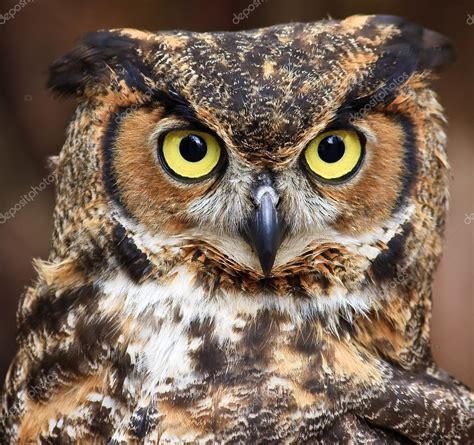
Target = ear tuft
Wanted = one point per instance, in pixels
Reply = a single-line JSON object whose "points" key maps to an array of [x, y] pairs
{"points": [[89, 65], [429, 50], [437, 52]]}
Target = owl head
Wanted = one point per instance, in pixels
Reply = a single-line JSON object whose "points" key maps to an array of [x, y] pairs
{"points": [[302, 160]]}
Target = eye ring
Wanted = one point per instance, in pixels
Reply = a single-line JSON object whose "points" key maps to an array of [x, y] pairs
{"points": [[335, 156], [200, 158]]}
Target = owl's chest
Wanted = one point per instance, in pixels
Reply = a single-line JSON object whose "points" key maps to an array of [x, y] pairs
{"points": [[264, 383], [241, 366], [249, 384]]}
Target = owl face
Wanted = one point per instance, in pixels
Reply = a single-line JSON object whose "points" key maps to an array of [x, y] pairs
{"points": [[184, 180], [268, 154]]}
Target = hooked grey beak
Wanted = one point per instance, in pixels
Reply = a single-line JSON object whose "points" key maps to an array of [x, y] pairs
{"points": [[265, 228]]}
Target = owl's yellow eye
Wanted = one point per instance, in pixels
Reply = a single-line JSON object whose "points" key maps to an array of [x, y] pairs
{"points": [[190, 154], [334, 155]]}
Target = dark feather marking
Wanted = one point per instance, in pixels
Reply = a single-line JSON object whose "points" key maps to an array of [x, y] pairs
{"points": [[177, 105], [116, 442], [93, 258], [177, 315], [305, 339], [201, 328], [395, 437], [352, 429], [122, 368], [48, 312], [256, 342], [130, 257], [429, 49], [101, 423], [143, 421], [88, 64], [409, 159], [210, 357], [82, 356], [297, 289], [385, 264], [109, 174]]}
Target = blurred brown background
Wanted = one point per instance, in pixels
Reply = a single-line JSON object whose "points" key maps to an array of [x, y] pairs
{"points": [[32, 128]]}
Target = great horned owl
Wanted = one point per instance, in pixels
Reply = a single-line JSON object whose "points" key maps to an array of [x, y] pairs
{"points": [[246, 230]]}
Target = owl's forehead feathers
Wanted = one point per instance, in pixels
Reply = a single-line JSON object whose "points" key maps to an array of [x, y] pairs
{"points": [[265, 88]]}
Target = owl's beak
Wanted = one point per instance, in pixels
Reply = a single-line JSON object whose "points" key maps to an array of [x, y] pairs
{"points": [[264, 230]]}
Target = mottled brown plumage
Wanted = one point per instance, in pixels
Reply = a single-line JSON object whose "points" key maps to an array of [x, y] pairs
{"points": [[154, 320]]}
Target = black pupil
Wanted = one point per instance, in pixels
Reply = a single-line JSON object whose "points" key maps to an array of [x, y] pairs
{"points": [[193, 148], [331, 149]]}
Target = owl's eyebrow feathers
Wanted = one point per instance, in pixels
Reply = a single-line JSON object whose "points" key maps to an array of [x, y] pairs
{"points": [[369, 93], [355, 106], [177, 105], [174, 103]]}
